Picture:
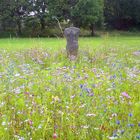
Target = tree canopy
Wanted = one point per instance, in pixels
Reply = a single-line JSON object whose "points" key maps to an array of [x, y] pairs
{"points": [[20, 16]]}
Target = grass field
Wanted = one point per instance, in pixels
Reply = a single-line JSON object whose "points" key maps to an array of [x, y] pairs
{"points": [[53, 43], [45, 96]]}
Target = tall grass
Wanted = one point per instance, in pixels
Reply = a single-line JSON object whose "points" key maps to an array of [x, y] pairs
{"points": [[45, 96]]}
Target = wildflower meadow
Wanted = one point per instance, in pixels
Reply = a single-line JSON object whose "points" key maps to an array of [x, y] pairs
{"points": [[46, 96]]}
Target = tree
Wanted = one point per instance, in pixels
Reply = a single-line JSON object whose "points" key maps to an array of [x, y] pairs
{"points": [[19, 13], [82, 13], [136, 11], [12, 13], [122, 14], [5, 12], [59, 9], [38, 9], [88, 13]]}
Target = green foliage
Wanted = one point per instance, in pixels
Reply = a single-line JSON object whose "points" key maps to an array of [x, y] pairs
{"points": [[33, 17], [13, 13], [122, 13], [88, 12], [38, 9]]}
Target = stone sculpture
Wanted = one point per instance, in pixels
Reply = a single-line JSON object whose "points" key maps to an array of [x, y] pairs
{"points": [[72, 35]]}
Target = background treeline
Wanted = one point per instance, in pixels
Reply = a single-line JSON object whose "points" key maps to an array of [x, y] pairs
{"points": [[32, 18]]}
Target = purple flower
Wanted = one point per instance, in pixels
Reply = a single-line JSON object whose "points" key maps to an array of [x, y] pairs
{"points": [[27, 93], [30, 122], [73, 96], [81, 86], [122, 131], [74, 67], [113, 85], [91, 94], [130, 114], [115, 135], [125, 95], [130, 125], [139, 124], [88, 90], [114, 76], [118, 122]]}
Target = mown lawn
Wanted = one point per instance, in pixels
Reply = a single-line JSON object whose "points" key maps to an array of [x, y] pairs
{"points": [[45, 96]]}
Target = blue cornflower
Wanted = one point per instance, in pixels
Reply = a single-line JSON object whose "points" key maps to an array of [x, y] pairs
{"points": [[138, 136], [122, 132], [115, 135], [118, 122], [81, 86], [130, 125], [111, 77], [114, 76], [88, 90], [130, 114]]}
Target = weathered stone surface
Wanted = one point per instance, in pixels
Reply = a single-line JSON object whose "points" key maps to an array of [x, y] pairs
{"points": [[72, 35]]}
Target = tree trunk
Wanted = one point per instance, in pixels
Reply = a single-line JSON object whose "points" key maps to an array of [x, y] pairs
{"points": [[92, 28], [19, 27], [42, 22], [3, 25]]}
